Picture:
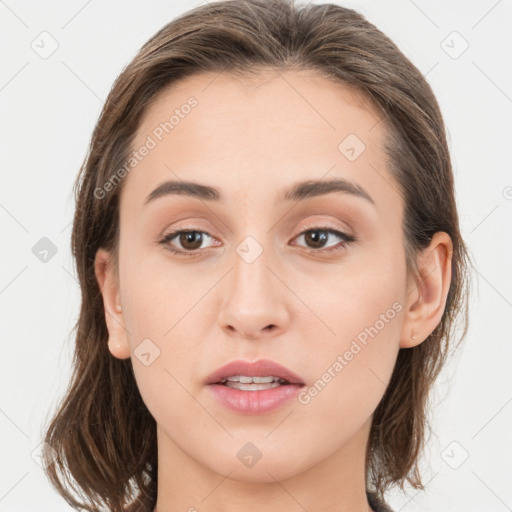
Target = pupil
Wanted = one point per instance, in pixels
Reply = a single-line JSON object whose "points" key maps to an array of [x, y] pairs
{"points": [[188, 238], [318, 240]]}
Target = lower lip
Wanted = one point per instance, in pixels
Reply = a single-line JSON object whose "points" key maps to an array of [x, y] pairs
{"points": [[254, 402]]}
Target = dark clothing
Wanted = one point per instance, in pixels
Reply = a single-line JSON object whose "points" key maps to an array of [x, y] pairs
{"points": [[377, 504]]}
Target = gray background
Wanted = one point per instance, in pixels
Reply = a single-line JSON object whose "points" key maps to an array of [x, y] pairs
{"points": [[49, 105]]}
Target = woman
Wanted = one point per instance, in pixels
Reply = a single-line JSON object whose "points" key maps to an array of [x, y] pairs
{"points": [[271, 266]]}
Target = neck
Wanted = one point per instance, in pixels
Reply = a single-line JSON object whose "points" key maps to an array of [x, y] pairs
{"points": [[336, 483]]}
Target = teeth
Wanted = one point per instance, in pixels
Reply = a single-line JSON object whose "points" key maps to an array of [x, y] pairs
{"points": [[252, 387], [263, 380], [256, 380], [249, 380]]}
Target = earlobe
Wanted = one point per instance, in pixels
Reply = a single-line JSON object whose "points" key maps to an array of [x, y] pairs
{"points": [[118, 349], [105, 271], [427, 298]]}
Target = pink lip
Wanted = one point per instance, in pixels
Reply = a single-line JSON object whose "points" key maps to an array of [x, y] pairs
{"points": [[254, 402]]}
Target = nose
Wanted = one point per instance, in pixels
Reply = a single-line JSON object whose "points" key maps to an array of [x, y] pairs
{"points": [[255, 301]]}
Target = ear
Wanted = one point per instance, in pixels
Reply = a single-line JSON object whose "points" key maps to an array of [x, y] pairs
{"points": [[106, 274], [428, 291]]}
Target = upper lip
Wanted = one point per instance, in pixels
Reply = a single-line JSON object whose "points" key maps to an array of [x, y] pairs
{"points": [[259, 368]]}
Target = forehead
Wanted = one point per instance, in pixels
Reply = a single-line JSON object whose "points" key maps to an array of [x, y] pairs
{"points": [[301, 99], [257, 133]]}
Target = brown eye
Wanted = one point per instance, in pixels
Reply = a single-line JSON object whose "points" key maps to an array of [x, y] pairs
{"points": [[187, 242], [317, 238], [190, 240]]}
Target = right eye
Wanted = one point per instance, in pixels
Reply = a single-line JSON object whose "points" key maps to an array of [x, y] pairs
{"points": [[189, 239]]}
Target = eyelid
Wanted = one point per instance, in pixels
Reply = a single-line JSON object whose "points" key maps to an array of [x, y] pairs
{"points": [[319, 224]]}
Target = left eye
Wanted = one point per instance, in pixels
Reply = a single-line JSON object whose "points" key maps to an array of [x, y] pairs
{"points": [[318, 238], [191, 240]]}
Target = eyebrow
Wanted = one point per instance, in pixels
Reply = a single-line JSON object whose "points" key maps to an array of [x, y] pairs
{"points": [[302, 190]]}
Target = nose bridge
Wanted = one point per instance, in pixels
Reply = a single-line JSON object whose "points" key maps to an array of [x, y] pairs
{"points": [[254, 298]]}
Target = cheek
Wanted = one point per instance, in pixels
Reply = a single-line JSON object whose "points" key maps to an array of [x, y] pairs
{"points": [[363, 298], [161, 312], [164, 369], [351, 372], [157, 295], [363, 309]]}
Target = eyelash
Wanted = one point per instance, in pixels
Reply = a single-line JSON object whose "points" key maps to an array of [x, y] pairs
{"points": [[347, 240]]}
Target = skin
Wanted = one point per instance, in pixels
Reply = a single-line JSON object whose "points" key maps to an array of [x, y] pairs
{"points": [[251, 139]]}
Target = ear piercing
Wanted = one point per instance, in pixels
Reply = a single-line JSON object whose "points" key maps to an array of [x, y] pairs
{"points": [[118, 307], [112, 342], [413, 336]]}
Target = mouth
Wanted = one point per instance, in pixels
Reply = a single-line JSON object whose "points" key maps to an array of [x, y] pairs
{"points": [[257, 387], [254, 376], [246, 383]]}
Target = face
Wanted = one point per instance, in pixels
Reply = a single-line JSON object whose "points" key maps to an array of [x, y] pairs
{"points": [[315, 282]]}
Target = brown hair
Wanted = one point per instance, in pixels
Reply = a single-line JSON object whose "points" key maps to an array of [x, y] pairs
{"points": [[102, 433]]}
